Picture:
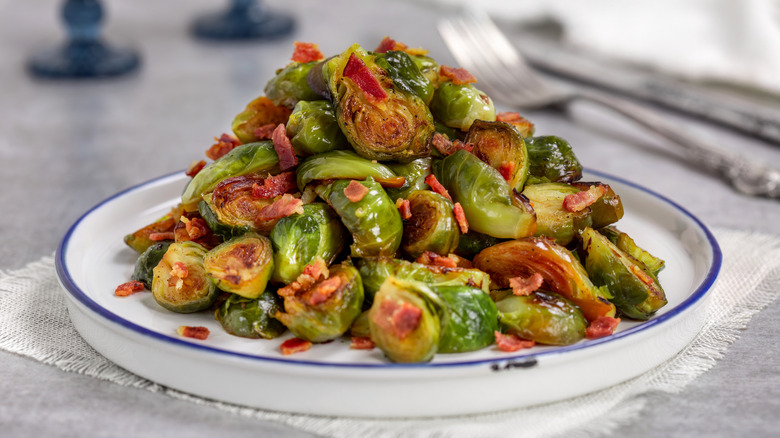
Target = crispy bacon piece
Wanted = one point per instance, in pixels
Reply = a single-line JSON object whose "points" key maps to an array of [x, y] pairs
{"points": [[306, 52], [195, 332], [285, 206], [581, 200], [361, 343], [603, 326], [294, 345], [642, 275], [316, 269], [165, 235], [275, 185], [361, 75], [431, 258], [387, 44], [311, 273], [506, 169], [195, 227], [265, 132], [223, 145], [459, 76], [323, 291], [195, 167], [436, 186], [128, 288], [512, 342], [284, 149], [509, 117], [524, 286], [404, 207], [354, 191], [460, 217], [443, 144], [400, 319]]}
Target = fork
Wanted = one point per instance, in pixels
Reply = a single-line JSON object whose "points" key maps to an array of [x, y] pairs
{"points": [[480, 46]]}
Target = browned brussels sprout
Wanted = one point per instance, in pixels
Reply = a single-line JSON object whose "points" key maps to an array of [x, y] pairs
{"points": [[242, 265], [140, 240], [623, 241], [544, 317], [289, 86], [562, 272], [472, 322], [458, 106], [251, 318], [180, 283], [259, 112], [551, 160], [552, 220], [432, 226], [635, 291], [608, 209], [235, 208], [323, 309], [499, 145]]}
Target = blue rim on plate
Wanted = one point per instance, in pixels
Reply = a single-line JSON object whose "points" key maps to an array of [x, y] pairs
{"points": [[529, 358]]}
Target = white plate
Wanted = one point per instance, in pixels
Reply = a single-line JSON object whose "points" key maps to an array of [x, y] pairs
{"points": [[332, 379]]}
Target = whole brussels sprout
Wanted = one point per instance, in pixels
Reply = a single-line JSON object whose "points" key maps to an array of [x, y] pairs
{"points": [[414, 173], [499, 145], [251, 318], [147, 261], [180, 283], [405, 74], [472, 321], [313, 128], [342, 165], [458, 106], [242, 265], [552, 220], [259, 112], [544, 317], [432, 226], [551, 159], [289, 86]]}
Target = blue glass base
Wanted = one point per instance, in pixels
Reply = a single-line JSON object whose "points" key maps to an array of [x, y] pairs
{"points": [[231, 26], [87, 59]]}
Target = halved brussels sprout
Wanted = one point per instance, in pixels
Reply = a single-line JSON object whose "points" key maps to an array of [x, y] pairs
{"points": [[544, 317], [259, 112], [313, 128], [233, 210], [635, 291], [342, 165], [552, 220], [490, 205], [395, 126], [221, 229], [251, 318], [242, 265], [458, 106], [608, 209], [407, 320], [473, 319], [432, 226], [373, 221], [471, 243], [499, 145], [300, 239], [405, 74], [180, 283], [562, 273], [551, 160], [623, 241], [324, 310], [289, 86], [413, 173], [375, 271], [257, 158], [140, 240], [147, 261]]}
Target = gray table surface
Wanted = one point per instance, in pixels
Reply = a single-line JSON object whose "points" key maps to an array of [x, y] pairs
{"points": [[66, 146]]}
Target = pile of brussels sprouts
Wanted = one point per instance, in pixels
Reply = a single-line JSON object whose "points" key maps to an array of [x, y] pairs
{"points": [[345, 267]]}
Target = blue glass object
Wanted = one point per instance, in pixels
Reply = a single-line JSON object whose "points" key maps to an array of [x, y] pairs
{"points": [[244, 20], [83, 55]]}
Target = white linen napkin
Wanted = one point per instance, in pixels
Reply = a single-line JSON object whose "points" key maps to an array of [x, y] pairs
{"points": [[34, 323], [729, 41]]}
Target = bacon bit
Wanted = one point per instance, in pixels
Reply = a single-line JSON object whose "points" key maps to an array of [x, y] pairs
{"points": [[506, 169], [460, 217], [581, 200], [285, 206], [431, 258], [462, 262], [306, 52], [311, 273], [180, 270], [354, 191], [437, 187], [602, 326], [395, 182], [389, 44], [275, 185], [197, 332], [195, 167], [294, 345], [359, 73], [512, 342], [324, 290], [223, 145], [195, 227], [167, 235], [523, 125], [129, 288], [459, 76], [361, 343], [400, 319], [404, 207], [265, 132], [642, 275], [284, 149], [524, 286], [442, 143], [316, 269]]}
